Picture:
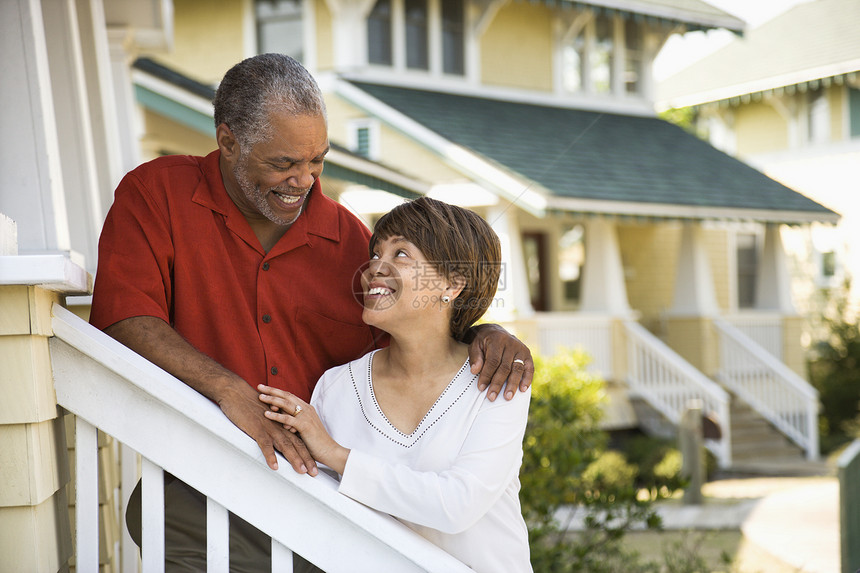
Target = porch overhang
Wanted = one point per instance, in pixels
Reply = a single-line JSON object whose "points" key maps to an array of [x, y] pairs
{"points": [[551, 158]]}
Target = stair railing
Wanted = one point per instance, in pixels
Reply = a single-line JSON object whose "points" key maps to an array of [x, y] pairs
{"points": [[770, 387], [175, 429], [668, 383]]}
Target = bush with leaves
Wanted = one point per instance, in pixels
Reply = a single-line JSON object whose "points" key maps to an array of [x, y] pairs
{"points": [[834, 369], [566, 466]]}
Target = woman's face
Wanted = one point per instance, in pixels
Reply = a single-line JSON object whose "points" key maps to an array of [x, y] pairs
{"points": [[401, 287]]}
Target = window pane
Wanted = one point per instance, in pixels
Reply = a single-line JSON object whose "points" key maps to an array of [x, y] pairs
{"points": [[573, 61], [818, 117], [747, 253], [279, 27], [453, 42], [854, 106], [571, 261], [416, 34], [633, 61], [362, 141], [379, 34], [601, 55]]}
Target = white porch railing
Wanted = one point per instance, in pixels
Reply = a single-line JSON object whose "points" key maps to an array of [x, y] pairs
{"points": [[578, 330], [668, 383], [771, 388], [763, 327], [173, 427]]}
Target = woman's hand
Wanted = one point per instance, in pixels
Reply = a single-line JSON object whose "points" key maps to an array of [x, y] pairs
{"points": [[298, 416]]}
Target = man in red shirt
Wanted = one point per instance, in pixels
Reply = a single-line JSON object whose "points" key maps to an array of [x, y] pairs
{"points": [[234, 270]]}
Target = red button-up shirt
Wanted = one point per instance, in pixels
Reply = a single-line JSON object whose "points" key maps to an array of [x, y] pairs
{"points": [[175, 246]]}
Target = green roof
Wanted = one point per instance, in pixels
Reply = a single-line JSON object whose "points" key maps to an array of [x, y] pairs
{"points": [[592, 155]]}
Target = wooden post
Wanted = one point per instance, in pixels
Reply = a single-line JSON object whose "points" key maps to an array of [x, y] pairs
{"points": [[692, 452], [849, 507]]}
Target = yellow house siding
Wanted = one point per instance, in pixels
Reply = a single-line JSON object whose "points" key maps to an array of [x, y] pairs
{"points": [[716, 246], [164, 135], [759, 129], [324, 36], [649, 254], [36, 538], [525, 62], [208, 37], [35, 534]]}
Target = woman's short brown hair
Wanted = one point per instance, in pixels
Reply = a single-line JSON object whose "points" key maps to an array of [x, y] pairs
{"points": [[458, 243]]}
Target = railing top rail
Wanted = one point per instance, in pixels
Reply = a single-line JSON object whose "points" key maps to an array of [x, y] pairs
{"points": [[141, 405], [708, 386], [772, 363]]}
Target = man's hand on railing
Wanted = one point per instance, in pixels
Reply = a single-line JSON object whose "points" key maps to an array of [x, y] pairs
{"points": [[158, 342], [241, 404]]}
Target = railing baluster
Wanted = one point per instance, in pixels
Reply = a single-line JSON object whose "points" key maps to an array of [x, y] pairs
{"points": [[130, 475], [282, 558], [217, 537], [152, 517], [87, 497]]}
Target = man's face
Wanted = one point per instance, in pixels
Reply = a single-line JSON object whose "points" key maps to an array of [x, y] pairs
{"points": [[275, 176]]}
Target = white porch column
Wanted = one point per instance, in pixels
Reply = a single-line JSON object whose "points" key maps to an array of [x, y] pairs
{"points": [[74, 126], [603, 287], [512, 298], [349, 31], [31, 190], [773, 287], [694, 284]]}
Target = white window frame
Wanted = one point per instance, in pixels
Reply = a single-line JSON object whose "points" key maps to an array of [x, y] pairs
{"points": [[373, 139], [434, 47]]}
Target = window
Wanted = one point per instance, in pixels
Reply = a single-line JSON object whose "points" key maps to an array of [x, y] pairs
{"points": [[419, 25], [601, 55], [571, 261], [453, 37], [818, 117], [633, 61], [854, 111], [589, 51], [279, 27], [379, 34], [828, 264], [416, 35], [364, 138], [573, 64], [534, 253], [747, 257]]}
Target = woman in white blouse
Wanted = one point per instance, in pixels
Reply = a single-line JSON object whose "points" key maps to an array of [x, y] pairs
{"points": [[406, 426]]}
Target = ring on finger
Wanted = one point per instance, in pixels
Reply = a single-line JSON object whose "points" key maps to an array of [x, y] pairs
{"points": [[519, 361], [298, 410]]}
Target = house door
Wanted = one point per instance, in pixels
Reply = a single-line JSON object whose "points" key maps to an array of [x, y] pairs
{"points": [[534, 253]]}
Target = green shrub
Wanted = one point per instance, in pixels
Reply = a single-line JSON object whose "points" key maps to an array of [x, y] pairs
{"points": [[566, 465]]}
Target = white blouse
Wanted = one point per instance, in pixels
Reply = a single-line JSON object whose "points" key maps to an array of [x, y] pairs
{"points": [[454, 480]]}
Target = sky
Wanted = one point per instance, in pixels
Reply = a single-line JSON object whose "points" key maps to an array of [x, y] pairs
{"points": [[681, 51]]}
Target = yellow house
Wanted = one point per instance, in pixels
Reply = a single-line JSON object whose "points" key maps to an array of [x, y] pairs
{"points": [[658, 254], [785, 98]]}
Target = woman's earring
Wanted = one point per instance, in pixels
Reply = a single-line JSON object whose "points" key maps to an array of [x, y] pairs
{"points": [[446, 299]]}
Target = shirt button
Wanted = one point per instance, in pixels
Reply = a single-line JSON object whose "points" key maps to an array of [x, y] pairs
{"points": [[274, 370], [265, 266], [267, 319]]}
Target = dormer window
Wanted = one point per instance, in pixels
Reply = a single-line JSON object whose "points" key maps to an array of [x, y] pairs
{"points": [[602, 54], [420, 35]]}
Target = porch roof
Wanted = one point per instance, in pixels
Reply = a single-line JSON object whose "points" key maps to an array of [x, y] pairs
{"points": [[587, 161]]}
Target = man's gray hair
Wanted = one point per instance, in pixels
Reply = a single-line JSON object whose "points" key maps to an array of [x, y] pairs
{"points": [[254, 88]]}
